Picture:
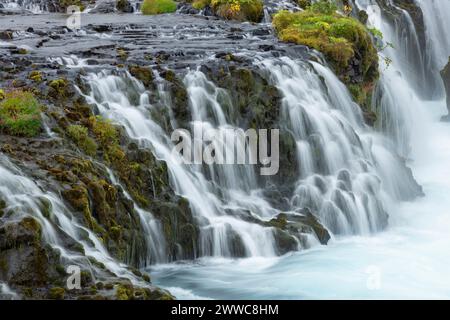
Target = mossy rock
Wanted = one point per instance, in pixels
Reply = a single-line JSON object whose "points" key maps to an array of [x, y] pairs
{"points": [[35, 76], [60, 89], [345, 42], [56, 293], [241, 10], [144, 74]]}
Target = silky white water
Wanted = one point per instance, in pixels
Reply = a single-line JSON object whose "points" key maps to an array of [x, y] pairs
{"points": [[24, 197], [408, 260]]}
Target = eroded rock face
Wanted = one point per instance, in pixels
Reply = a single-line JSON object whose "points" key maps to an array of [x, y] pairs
{"points": [[445, 74]]}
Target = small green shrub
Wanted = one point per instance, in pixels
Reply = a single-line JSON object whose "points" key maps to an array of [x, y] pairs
{"points": [[344, 41], [80, 136], [242, 10], [150, 7], [35, 76], [338, 37], [304, 3], [105, 132], [323, 7], [200, 4], [20, 114]]}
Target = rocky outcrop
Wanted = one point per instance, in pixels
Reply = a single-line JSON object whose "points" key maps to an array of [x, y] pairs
{"points": [[109, 6], [445, 74], [124, 6]]}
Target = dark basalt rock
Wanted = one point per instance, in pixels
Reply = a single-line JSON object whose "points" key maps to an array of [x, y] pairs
{"points": [[445, 74], [106, 6], [124, 6]]}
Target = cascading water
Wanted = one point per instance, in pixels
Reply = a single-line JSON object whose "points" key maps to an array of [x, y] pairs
{"points": [[437, 25], [411, 258], [23, 197], [346, 171], [33, 6], [112, 94], [348, 175]]}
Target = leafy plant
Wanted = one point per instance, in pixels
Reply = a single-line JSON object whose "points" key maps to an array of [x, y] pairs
{"points": [[242, 10], [323, 7], [20, 114]]}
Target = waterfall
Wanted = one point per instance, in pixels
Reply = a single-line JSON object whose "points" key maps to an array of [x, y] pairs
{"points": [[111, 94], [347, 170], [24, 197], [437, 26], [349, 175], [394, 99], [33, 6]]}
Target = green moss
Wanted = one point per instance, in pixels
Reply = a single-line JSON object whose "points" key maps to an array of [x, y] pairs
{"points": [[35, 76], [80, 136], [105, 132], [31, 224], [242, 10], [124, 292], [115, 232], [77, 196], [304, 3], [341, 39], [150, 7], [279, 222], [46, 207], [66, 3], [200, 4], [2, 94], [56, 293], [59, 89], [142, 73], [20, 114], [323, 7], [22, 51], [146, 277]]}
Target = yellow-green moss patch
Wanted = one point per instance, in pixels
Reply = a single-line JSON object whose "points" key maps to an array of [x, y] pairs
{"points": [[20, 114], [150, 7]]}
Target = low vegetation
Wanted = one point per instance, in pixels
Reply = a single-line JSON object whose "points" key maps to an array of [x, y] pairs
{"points": [[150, 7], [19, 113], [80, 136], [344, 41], [241, 10]]}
